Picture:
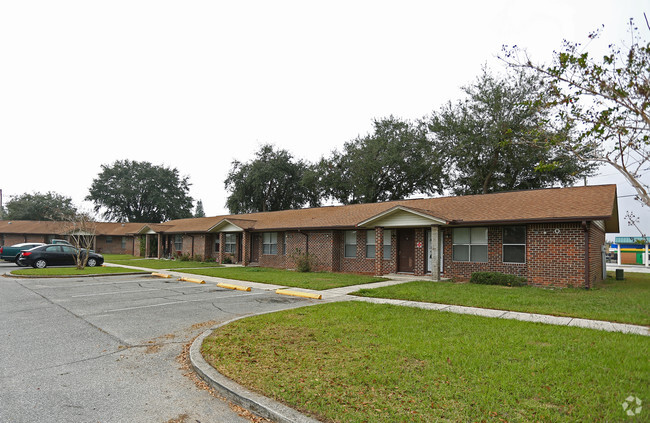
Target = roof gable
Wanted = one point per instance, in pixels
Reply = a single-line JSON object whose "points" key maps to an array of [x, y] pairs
{"points": [[402, 216]]}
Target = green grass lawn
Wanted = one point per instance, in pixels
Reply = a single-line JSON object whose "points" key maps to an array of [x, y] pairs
{"points": [[625, 301], [358, 362], [311, 280], [66, 271], [161, 264], [110, 257]]}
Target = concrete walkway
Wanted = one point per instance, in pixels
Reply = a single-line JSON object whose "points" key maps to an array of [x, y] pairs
{"points": [[343, 294]]}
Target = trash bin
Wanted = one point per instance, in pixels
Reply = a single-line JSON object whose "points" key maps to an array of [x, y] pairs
{"points": [[620, 274]]}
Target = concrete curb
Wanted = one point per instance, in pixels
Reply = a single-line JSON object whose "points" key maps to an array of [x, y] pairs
{"points": [[256, 403]]}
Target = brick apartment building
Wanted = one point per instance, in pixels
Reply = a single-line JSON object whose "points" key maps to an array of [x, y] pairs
{"points": [[553, 237], [111, 238]]}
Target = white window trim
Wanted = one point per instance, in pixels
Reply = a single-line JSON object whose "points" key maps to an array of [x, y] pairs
{"points": [[503, 246], [371, 244], [469, 260], [387, 243], [233, 244], [345, 244], [272, 238], [177, 242]]}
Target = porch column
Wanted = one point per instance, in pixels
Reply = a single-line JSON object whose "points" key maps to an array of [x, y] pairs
{"points": [[146, 246], [435, 254], [222, 245], [160, 245], [645, 258], [618, 255], [245, 248], [379, 251]]}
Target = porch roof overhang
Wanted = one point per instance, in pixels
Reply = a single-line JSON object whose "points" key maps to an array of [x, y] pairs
{"points": [[232, 225], [402, 217], [146, 230]]}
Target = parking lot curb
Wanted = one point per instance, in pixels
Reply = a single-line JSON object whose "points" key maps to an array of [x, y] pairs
{"points": [[233, 286], [256, 403], [299, 294]]}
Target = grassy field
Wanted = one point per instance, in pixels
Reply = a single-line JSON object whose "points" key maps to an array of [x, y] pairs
{"points": [[312, 280], [159, 264], [357, 362], [71, 271], [625, 301]]}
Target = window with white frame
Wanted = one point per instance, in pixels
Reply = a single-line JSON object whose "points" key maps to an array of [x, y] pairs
{"points": [[124, 240], [178, 242], [470, 244], [350, 248], [109, 239], [370, 243], [514, 244], [231, 243], [270, 243], [386, 246]]}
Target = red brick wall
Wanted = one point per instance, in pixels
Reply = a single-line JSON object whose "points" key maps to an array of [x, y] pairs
{"points": [[552, 259], [115, 246], [359, 264], [419, 252], [320, 244], [596, 241], [136, 248], [11, 239], [278, 260]]}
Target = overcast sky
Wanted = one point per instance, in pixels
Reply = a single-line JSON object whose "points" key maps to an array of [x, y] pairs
{"points": [[196, 84]]}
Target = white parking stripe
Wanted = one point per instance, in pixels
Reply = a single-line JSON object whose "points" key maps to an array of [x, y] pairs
{"points": [[115, 292]]}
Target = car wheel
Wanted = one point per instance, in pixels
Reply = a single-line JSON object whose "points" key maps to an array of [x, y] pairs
{"points": [[40, 264], [91, 262], [16, 258]]}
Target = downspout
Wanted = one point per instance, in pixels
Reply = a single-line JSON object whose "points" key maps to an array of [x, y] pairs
{"points": [[585, 226]]}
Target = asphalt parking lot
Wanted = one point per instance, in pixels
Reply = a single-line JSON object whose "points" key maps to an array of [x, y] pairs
{"points": [[103, 349]]}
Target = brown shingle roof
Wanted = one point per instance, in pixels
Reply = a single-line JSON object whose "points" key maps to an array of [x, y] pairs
{"points": [[554, 204], [61, 228]]}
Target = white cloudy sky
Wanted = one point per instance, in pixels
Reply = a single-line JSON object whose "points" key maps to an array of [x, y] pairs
{"points": [[196, 84]]}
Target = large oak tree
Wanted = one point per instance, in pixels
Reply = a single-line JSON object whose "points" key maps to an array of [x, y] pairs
{"points": [[273, 180], [496, 139], [391, 163], [37, 206], [135, 191]]}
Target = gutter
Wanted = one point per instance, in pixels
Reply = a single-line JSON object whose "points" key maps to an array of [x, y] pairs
{"points": [[533, 220]]}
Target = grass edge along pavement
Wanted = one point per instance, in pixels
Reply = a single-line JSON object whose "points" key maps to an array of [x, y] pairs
{"points": [[625, 301], [160, 264], [308, 280], [358, 362]]}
